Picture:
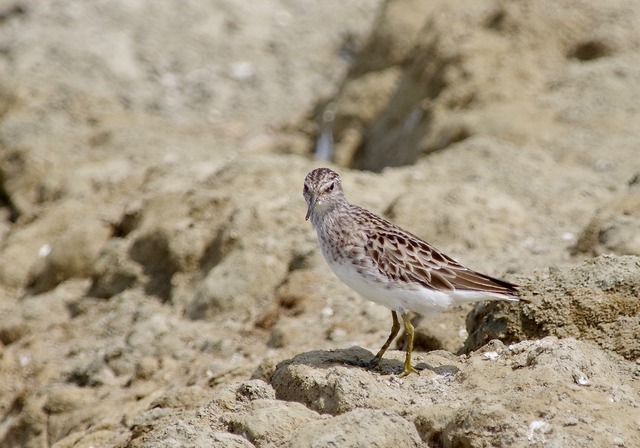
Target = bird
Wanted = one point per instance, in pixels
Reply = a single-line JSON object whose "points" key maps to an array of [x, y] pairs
{"points": [[389, 265]]}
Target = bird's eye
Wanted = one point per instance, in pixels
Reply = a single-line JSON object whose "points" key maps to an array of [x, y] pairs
{"points": [[330, 188], [305, 189]]}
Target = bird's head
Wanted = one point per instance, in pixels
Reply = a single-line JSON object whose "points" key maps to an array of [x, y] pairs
{"points": [[322, 190]]}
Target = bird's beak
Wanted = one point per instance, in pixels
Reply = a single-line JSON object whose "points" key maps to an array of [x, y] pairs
{"points": [[312, 204]]}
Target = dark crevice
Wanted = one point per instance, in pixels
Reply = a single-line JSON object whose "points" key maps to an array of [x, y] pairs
{"points": [[496, 21], [590, 50], [128, 222], [215, 251], [154, 255], [6, 201], [12, 12]]}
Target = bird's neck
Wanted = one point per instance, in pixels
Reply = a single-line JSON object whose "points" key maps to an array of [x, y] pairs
{"points": [[331, 217]]}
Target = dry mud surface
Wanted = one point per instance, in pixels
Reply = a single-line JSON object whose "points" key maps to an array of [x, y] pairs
{"points": [[160, 287]]}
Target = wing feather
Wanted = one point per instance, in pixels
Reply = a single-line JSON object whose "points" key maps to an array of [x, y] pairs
{"points": [[403, 256]]}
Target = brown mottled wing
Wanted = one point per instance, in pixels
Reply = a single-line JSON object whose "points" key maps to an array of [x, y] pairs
{"points": [[405, 257]]}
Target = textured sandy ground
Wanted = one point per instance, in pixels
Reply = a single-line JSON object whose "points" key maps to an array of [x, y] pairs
{"points": [[160, 287]]}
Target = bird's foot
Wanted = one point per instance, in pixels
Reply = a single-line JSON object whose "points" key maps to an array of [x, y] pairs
{"points": [[408, 368]]}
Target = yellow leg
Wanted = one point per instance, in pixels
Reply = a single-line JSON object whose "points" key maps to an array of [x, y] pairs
{"points": [[395, 328], [408, 326]]}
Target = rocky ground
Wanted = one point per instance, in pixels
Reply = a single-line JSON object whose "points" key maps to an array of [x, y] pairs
{"points": [[160, 287]]}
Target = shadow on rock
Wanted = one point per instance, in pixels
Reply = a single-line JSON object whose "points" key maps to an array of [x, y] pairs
{"points": [[358, 357]]}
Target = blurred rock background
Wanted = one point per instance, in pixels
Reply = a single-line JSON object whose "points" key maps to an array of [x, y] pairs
{"points": [[160, 287]]}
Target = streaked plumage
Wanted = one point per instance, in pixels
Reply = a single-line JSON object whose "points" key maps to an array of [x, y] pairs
{"points": [[387, 264]]}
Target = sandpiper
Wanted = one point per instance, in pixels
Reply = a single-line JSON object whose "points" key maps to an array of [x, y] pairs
{"points": [[389, 265]]}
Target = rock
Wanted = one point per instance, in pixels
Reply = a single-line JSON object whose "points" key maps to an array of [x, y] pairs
{"points": [[100, 437], [163, 427], [572, 368], [595, 301], [168, 234], [322, 381], [249, 409], [71, 255], [183, 432], [448, 91], [460, 400], [614, 229], [358, 428], [65, 398], [150, 192], [114, 272], [269, 422], [70, 228], [146, 367], [252, 247], [67, 408]]}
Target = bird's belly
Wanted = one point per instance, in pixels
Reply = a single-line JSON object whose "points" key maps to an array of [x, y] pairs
{"points": [[395, 296]]}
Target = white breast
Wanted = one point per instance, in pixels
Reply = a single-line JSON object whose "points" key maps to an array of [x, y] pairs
{"points": [[396, 297]]}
